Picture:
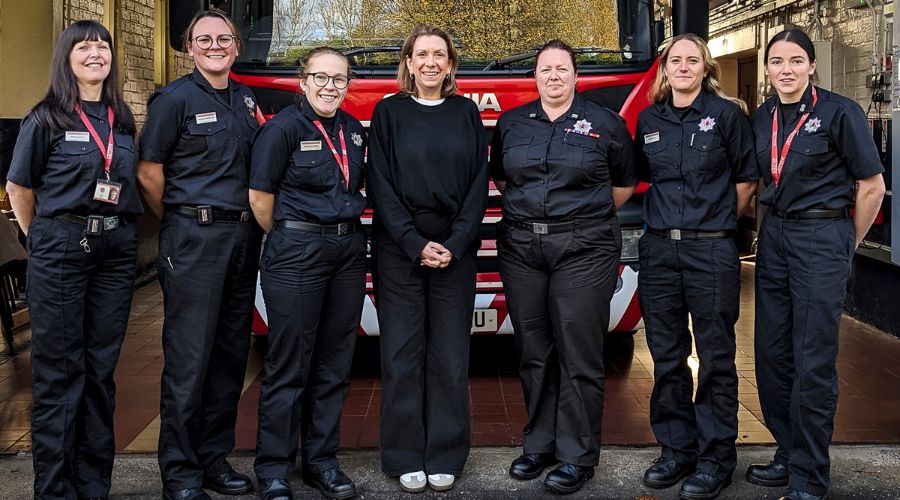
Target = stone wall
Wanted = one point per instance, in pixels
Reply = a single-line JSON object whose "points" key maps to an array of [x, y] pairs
{"points": [[79, 10], [856, 37]]}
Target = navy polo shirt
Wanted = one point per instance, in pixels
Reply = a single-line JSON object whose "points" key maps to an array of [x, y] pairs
{"points": [[564, 169], [693, 160], [292, 160], [63, 166], [202, 137], [832, 150]]}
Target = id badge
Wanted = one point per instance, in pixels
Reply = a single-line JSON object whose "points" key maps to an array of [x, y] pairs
{"points": [[107, 191]]}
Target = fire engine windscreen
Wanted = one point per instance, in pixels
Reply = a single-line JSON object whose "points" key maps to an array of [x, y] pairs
{"points": [[279, 32]]}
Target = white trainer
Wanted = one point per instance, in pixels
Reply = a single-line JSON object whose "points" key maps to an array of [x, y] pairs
{"points": [[413, 482], [441, 482]]}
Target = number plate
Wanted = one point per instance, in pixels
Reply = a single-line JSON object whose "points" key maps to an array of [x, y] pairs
{"points": [[484, 320]]}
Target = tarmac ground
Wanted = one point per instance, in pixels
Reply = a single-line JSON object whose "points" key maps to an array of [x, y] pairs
{"points": [[858, 471]]}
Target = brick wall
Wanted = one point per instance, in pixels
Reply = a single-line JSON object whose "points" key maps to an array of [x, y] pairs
{"points": [[79, 10]]}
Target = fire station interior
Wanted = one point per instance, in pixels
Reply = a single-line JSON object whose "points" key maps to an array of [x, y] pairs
{"points": [[868, 407]]}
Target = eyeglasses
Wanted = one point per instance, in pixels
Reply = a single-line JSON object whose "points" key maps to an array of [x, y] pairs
{"points": [[205, 41], [321, 79]]}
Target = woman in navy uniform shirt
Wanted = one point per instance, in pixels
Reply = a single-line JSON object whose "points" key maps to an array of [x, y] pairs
{"points": [[695, 146], [564, 165], [305, 183], [72, 186], [428, 183], [818, 161], [194, 172]]}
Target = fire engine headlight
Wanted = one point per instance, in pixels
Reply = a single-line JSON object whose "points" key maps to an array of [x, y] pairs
{"points": [[630, 239]]}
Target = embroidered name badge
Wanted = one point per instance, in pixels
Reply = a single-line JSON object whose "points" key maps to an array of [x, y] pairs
{"points": [[78, 137], [651, 138], [310, 145], [206, 118]]}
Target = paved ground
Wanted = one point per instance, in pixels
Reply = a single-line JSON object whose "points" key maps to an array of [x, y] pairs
{"points": [[870, 472]]}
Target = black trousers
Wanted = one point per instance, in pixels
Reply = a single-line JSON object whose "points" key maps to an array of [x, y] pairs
{"points": [[208, 278], [79, 303], [314, 287], [701, 279], [558, 288], [802, 268], [425, 319]]}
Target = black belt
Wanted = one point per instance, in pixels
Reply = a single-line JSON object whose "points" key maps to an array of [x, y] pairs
{"points": [[94, 224], [555, 227], [340, 229], [206, 214], [813, 213], [687, 234]]}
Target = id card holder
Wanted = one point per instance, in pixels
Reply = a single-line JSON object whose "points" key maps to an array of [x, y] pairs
{"points": [[107, 191], [94, 225], [205, 215]]}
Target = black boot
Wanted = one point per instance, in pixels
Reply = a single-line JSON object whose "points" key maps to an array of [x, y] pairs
{"points": [[792, 494], [701, 486], [773, 474], [666, 472], [531, 465], [275, 489], [333, 483], [567, 478]]}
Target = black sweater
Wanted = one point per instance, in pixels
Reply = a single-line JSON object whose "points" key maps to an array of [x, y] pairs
{"points": [[428, 176]]}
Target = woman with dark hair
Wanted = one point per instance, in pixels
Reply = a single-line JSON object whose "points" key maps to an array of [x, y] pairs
{"points": [[695, 146], [564, 165], [305, 192], [72, 186], [823, 189], [428, 184], [194, 173]]}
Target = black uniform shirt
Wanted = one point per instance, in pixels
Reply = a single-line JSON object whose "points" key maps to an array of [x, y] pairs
{"points": [[563, 169], [292, 160], [693, 160], [63, 166], [203, 140], [832, 150]]}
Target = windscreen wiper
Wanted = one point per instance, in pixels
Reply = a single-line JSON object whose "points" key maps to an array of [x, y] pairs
{"points": [[524, 56]]}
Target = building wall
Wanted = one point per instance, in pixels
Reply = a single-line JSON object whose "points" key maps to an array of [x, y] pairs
{"points": [[854, 35]]}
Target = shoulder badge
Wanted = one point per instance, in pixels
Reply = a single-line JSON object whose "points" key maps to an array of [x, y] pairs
{"points": [[707, 124]]}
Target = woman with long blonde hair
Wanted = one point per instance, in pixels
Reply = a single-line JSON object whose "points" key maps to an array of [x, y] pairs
{"points": [[695, 146]]}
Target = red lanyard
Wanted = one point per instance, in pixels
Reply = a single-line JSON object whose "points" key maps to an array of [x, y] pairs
{"points": [[110, 143], [345, 164], [778, 162]]}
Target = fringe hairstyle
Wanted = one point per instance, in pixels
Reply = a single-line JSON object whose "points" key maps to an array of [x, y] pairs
{"points": [[56, 110], [661, 90]]}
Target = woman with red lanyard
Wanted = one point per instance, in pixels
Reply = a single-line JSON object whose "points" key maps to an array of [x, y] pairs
{"points": [[305, 181], [818, 162], [72, 186]]}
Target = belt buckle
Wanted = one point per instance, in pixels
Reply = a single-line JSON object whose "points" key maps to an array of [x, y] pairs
{"points": [[343, 228], [540, 228], [110, 223], [675, 234]]}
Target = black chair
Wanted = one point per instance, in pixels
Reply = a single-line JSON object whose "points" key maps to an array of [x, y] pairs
{"points": [[13, 264]]}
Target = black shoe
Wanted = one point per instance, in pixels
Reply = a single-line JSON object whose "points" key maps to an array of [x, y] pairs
{"points": [[773, 474], [275, 489], [703, 486], [792, 494], [666, 472], [228, 481], [567, 478], [531, 465], [333, 483], [186, 494]]}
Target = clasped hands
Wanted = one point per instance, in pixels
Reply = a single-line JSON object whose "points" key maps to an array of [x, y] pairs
{"points": [[435, 255]]}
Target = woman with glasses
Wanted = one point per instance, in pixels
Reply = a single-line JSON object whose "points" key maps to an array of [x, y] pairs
{"points": [[305, 181], [194, 170], [428, 184], [77, 205]]}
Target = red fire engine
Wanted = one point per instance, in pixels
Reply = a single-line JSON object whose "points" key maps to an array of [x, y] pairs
{"points": [[277, 31]]}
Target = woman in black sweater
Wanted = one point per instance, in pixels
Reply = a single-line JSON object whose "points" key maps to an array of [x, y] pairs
{"points": [[428, 183]]}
